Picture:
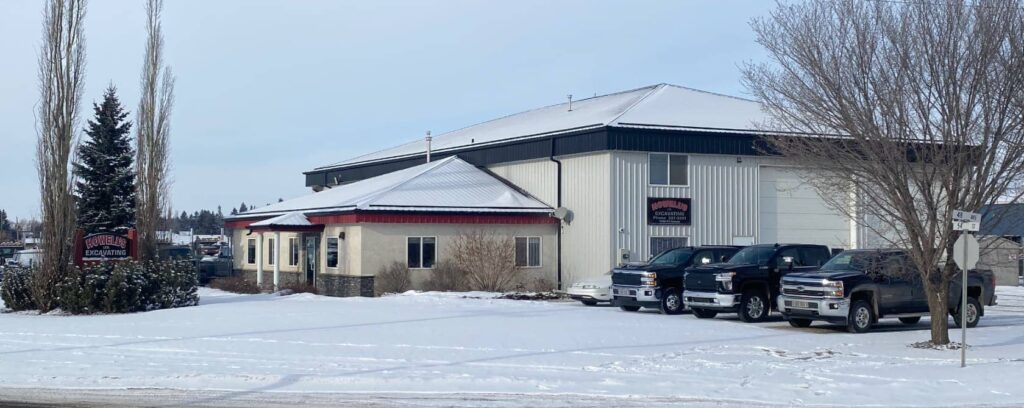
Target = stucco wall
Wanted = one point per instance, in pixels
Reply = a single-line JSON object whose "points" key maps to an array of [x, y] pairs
{"points": [[383, 244]]}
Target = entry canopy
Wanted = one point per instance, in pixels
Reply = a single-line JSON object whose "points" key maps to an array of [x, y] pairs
{"points": [[292, 219], [449, 185]]}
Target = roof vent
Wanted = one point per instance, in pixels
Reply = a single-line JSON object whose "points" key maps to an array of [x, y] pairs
{"points": [[570, 102], [428, 146]]}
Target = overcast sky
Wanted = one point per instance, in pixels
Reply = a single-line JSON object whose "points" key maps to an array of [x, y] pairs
{"points": [[268, 89]]}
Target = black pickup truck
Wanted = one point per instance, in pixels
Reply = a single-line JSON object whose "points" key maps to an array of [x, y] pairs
{"points": [[659, 283], [748, 283], [858, 287]]}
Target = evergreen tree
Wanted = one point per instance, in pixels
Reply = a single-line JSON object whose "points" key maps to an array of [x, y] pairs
{"points": [[234, 211], [242, 208], [5, 227], [106, 177]]}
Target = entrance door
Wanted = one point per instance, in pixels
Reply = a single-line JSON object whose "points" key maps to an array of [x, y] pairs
{"points": [[312, 243]]}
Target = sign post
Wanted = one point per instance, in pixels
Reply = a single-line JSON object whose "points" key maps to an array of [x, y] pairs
{"points": [[965, 253]]}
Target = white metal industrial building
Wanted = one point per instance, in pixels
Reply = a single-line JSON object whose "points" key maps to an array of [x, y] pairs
{"points": [[632, 173]]}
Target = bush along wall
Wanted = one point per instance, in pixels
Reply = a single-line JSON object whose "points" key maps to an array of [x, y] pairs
{"points": [[121, 287]]}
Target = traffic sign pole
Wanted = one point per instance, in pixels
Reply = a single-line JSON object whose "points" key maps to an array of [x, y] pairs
{"points": [[963, 311], [965, 222]]}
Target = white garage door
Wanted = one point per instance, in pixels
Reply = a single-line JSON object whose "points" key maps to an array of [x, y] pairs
{"points": [[792, 212]]}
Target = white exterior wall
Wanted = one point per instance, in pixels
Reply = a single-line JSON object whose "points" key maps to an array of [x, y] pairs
{"points": [[607, 194]]}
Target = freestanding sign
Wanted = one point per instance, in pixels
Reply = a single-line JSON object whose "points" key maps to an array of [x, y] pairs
{"points": [[966, 252], [104, 246], [668, 211]]}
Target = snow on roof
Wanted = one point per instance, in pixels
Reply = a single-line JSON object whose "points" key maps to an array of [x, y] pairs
{"points": [[292, 219], [661, 106], [449, 185]]}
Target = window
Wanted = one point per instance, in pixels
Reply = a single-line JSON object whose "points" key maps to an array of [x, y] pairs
{"points": [[528, 252], [662, 244], [251, 249], [667, 169], [332, 252], [293, 251], [788, 257], [270, 250], [814, 256], [421, 252]]}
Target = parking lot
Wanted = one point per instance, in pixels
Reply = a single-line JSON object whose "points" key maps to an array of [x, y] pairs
{"points": [[446, 349]]}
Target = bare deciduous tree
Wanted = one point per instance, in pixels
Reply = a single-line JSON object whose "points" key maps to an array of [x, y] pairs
{"points": [[152, 143], [489, 260], [910, 110], [61, 74]]}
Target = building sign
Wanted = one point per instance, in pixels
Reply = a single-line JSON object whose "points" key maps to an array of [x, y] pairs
{"points": [[668, 211], [105, 246]]}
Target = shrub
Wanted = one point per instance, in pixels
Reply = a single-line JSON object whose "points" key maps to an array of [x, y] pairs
{"points": [[392, 278], [297, 287], [128, 286], [488, 259], [446, 277], [235, 284], [16, 289]]}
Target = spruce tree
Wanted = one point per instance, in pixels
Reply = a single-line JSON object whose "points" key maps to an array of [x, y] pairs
{"points": [[105, 169]]}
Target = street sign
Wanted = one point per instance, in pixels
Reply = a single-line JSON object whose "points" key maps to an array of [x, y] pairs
{"points": [[971, 226], [966, 251], [960, 215]]}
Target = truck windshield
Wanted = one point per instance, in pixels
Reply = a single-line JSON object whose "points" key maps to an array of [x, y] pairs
{"points": [[752, 255], [676, 256]]}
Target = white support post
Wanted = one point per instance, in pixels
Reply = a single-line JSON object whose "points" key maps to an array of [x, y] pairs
{"points": [[259, 259], [277, 260]]}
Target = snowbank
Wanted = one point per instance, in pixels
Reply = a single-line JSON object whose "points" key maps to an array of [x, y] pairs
{"points": [[437, 344]]}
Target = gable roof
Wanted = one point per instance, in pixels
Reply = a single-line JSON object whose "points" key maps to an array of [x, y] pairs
{"points": [[657, 106], [448, 185]]}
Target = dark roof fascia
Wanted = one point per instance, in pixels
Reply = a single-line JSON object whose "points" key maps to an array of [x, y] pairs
{"points": [[591, 140]]}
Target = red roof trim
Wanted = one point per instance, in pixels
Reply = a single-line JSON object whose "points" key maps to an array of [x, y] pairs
{"points": [[411, 218]]}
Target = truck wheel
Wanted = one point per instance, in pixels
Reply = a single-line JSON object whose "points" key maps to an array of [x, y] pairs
{"points": [[589, 302], [753, 307], [704, 313], [910, 320], [973, 313], [795, 322], [860, 318], [626, 308], [671, 302]]}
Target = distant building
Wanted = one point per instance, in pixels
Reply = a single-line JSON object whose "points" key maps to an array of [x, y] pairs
{"points": [[1002, 242]]}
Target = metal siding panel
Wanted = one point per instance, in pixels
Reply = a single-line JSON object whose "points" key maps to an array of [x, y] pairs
{"points": [[537, 177], [722, 191], [586, 241]]}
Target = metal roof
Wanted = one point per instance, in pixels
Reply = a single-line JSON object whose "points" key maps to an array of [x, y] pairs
{"points": [[1005, 220], [448, 185], [292, 219], [658, 106]]}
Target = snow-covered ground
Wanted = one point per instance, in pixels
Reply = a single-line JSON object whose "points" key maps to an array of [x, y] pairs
{"points": [[444, 350]]}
